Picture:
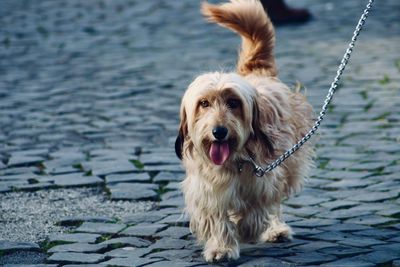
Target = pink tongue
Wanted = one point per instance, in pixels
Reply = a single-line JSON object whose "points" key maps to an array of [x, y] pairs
{"points": [[219, 152]]}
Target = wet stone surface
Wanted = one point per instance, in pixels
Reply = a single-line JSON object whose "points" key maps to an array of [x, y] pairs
{"points": [[89, 103]]}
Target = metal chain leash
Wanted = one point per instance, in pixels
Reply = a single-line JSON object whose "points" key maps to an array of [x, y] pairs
{"points": [[258, 170]]}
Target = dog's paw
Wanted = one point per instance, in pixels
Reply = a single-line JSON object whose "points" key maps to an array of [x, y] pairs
{"points": [[217, 254], [277, 233]]}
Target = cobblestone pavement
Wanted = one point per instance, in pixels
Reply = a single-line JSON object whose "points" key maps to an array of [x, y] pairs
{"points": [[89, 98]]}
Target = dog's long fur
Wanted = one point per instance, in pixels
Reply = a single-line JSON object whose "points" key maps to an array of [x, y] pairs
{"points": [[226, 205]]}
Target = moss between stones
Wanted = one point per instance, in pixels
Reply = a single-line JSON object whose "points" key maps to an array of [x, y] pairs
{"points": [[137, 164]]}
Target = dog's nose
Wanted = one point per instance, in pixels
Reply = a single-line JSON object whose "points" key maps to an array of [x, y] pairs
{"points": [[220, 132]]}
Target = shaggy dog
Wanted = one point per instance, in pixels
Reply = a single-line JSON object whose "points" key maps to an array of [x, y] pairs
{"points": [[229, 117]]}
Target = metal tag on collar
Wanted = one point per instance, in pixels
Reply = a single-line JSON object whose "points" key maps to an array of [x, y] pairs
{"points": [[258, 171]]}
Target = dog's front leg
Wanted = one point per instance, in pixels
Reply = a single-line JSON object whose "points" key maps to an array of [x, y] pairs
{"points": [[277, 230], [223, 241]]}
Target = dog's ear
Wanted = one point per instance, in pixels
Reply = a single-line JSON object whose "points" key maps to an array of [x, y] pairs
{"points": [[182, 133], [262, 126]]}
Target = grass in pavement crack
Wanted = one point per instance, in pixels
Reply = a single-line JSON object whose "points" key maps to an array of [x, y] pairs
{"points": [[139, 165]]}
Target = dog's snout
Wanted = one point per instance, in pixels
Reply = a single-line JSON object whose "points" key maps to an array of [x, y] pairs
{"points": [[220, 132]]}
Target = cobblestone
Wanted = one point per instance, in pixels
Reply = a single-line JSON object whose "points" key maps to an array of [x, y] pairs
{"points": [[129, 191], [72, 257], [143, 217], [144, 230], [314, 258], [344, 251], [128, 252], [119, 178], [356, 262], [131, 241], [78, 247], [129, 262], [76, 179], [75, 237], [89, 101], [172, 254], [176, 232], [100, 228], [169, 243]]}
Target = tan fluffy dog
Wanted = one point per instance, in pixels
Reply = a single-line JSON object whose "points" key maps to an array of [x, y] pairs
{"points": [[227, 117]]}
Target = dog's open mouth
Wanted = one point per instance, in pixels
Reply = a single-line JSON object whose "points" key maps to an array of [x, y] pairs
{"points": [[219, 152]]}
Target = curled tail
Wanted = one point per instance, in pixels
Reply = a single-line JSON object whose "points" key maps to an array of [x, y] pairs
{"points": [[249, 20]]}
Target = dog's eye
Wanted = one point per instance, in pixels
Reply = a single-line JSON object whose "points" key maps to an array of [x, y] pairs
{"points": [[204, 103], [233, 103]]}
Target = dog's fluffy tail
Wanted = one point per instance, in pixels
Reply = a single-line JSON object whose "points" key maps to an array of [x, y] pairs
{"points": [[249, 20]]}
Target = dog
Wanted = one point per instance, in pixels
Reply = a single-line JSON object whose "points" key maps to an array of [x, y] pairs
{"points": [[225, 118]]}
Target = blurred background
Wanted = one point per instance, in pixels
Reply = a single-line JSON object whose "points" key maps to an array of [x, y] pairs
{"points": [[89, 109]]}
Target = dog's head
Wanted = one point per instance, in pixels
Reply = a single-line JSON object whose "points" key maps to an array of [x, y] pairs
{"points": [[219, 118]]}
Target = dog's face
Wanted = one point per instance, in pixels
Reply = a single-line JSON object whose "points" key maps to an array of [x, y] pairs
{"points": [[217, 115]]}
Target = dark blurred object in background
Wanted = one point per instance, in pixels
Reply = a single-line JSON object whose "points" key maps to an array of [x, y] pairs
{"points": [[280, 13]]}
